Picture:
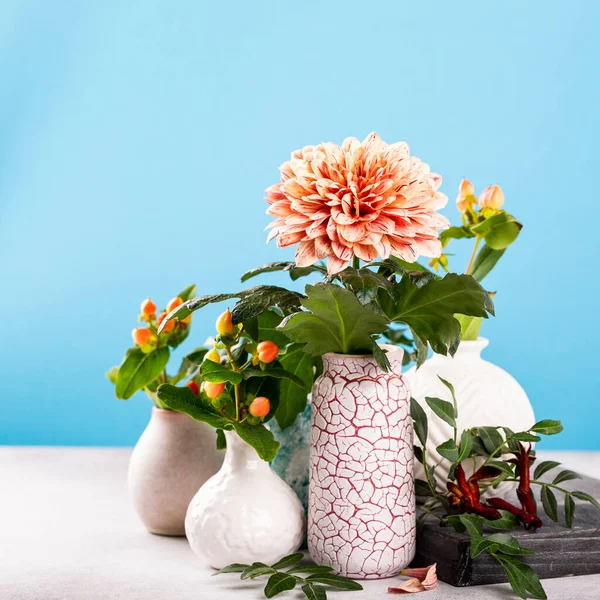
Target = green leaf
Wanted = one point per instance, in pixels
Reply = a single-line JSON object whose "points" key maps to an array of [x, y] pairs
{"points": [[288, 561], [544, 467], [310, 569], [524, 436], [422, 488], [508, 521], [502, 466], [429, 310], [469, 327], [380, 355], [218, 373], [443, 409], [188, 293], [549, 503], [233, 568], [264, 327], [418, 453], [274, 372], [189, 364], [365, 284], [565, 475], [260, 438], [421, 349], [491, 438], [485, 261], [466, 445], [293, 398], [521, 577], [455, 233], [257, 569], [221, 440], [500, 542], [139, 369], [264, 386], [587, 498], [279, 582], [183, 400], [569, 510], [335, 581], [419, 420], [294, 271], [448, 450], [337, 322], [498, 231], [547, 427], [314, 592], [112, 374], [474, 527], [451, 389]]}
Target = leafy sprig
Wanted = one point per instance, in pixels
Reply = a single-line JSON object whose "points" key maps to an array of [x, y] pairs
{"points": [[314, 582]]}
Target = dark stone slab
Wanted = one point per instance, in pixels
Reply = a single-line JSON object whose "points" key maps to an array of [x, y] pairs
{"points": [[559, 551]]}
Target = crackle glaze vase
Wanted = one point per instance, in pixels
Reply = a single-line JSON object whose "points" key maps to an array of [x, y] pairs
{"points": [[245, 513], [486, 395], [173, 457], [361, 505]]}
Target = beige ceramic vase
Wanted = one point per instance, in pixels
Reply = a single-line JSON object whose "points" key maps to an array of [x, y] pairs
{"points": [[173, 458]]}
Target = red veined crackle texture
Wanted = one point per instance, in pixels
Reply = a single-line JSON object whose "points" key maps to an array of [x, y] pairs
{"points": [[361, 504]]}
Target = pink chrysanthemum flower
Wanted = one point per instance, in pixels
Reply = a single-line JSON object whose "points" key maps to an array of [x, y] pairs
{"points": [[361, 199]]}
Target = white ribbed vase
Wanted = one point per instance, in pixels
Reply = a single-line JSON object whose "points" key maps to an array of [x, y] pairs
{"points": [[245, 513], [486, 395]]}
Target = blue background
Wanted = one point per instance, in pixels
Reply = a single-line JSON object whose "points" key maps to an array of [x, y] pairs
{"points": [[136, 140]]}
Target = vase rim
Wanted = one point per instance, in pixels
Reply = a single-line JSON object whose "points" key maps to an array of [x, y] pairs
{"points": [[391, 349]]}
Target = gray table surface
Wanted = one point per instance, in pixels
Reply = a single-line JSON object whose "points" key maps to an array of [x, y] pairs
{"points": [[68, 532]]}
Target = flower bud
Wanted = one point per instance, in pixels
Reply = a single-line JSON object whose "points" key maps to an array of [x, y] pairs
{"points": [[492, 197], [141, 336], [174, 303], [267, 351], [466, 188], [213, 390], [213, 356], [225, 324], [260, 407], [170, 324], [148, 309], [466, 197], [193, 385]]}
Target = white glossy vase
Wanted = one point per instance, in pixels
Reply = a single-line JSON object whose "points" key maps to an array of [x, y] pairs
{"points": [[173, 457], [361, 501], [486, 395], [245, 513]]}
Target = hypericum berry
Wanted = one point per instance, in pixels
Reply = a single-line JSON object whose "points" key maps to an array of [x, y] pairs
{"points": [[141, 336], [225, 324], [148, 308], [492, 197], [193, 385], [213, 390], [169, 325], [260, 407], [213, 356], [174, 303], [267, 351]]}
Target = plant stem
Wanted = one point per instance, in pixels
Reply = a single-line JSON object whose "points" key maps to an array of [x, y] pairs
{"points": [[356, 262], [236, 387], [556, 487], [473, 255]]}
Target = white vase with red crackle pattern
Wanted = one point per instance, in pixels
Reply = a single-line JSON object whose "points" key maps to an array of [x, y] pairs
{"points": [[361, 505], [245, 513], [486, 395]]}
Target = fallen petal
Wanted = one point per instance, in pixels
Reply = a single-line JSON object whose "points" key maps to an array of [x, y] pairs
{"points": [[409, 586], [419, 572]]}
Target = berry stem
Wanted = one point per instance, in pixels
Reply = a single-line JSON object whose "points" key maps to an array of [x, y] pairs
{"points": [[236, 387], [473, 255]]}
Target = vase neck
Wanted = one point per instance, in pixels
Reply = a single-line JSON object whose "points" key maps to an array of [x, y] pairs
{"points": [[241, 455]]}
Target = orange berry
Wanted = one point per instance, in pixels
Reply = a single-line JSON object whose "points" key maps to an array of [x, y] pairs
{"points": [[267, 351], [148, 308], [174, 303], [260, 407], [213, 355], [213, 390], [193, 385], [141, 336], [225, 324], [169, 326]]}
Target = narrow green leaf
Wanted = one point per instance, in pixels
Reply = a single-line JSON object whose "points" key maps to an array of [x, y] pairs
{"points": [[544, 467], [524, 436], [448, 450], [418, 453], [491, 438], [314, 592], [112, 374], [499, 542], [485, 261], [422, 488], [294, 271], [451, 389], [275, 372], [508, 521], [288, 561], [569, 510], [310, 569], [549, 503], [565, 475], [293, 397], [218, 373], [279, 582], [443, 409], [466, 445], [502, 466], [260, 438], [188, 293], [221, 441], [335, 581], [547, 427], [521, 577], [586, 498], [138, 370], [420, 420], [257, 570], [233, 568]]}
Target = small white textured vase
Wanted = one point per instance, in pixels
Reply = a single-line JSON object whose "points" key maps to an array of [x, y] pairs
{"points": [[173, 457], [486, 395], [245, 513]]}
